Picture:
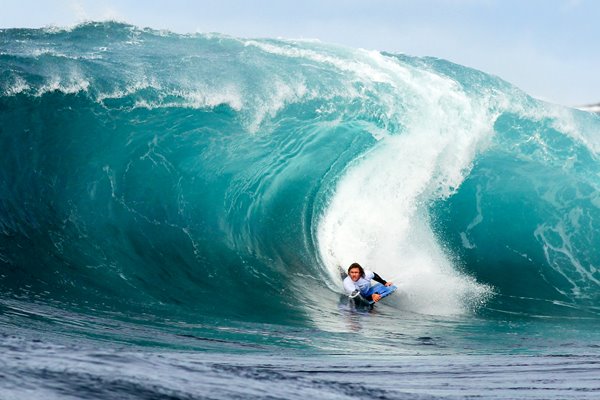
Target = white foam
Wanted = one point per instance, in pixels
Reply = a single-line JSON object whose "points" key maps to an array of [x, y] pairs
{"points": [[359, 66], [591, 108], [558, 247], [564, 121], [130, 89], [227, 95], [576, 125], [19, 86], [196, 98], [280, 94], [378, 214], [70, 86]]}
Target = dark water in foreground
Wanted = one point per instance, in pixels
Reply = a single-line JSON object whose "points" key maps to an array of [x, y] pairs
{"points": [[38, 369], [60, 356]]}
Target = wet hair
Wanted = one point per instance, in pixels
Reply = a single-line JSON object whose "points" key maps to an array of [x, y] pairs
{"points": [[357, 265]]}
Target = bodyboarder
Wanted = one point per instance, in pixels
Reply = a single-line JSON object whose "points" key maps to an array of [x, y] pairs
{"points": [[358, 281]]}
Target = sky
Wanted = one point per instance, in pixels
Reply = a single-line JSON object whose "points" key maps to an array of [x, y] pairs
{"points": [[548, 48]]}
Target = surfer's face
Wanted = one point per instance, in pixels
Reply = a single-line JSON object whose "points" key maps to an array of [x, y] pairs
{"points": [[354, 274]]}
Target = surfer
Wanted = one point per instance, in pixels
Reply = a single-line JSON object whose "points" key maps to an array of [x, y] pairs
{"points": [[359, 279]]}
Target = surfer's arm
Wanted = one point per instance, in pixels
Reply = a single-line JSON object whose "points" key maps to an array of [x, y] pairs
{"points": [[379, 279]]}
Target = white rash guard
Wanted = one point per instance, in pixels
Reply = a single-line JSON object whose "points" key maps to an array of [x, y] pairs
{"points": [[362, 284]]}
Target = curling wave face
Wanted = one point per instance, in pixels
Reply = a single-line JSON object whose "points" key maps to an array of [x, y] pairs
{"points": [[225, 176]]}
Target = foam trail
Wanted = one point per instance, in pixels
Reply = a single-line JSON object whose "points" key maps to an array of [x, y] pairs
{"points": [[378, 215]]}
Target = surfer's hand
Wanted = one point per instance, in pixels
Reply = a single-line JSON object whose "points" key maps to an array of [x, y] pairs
{"points": [[388, 284], [376, 297]]}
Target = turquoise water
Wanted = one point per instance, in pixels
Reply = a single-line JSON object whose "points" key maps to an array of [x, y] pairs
{"points": [[189, 197]]}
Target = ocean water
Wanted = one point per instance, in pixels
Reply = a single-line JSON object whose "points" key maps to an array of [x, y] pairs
{"points": [[174, 208]]}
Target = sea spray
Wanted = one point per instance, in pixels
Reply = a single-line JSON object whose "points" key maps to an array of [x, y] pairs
{"points": [[378, 215]]}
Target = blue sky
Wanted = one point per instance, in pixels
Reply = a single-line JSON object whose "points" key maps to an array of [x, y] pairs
{"points": [[548, 48]]}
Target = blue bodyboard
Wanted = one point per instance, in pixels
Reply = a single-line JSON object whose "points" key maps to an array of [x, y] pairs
{"points": [[378, 288]]}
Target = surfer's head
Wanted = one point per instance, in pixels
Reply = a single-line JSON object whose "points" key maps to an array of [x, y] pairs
{"points": [[355, 271]]}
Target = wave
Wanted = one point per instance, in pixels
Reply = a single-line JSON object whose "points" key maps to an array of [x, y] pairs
{"points": [[228, 176]]}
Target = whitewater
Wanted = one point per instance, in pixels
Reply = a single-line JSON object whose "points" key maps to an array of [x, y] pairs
{"points": [[174, 209]]}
